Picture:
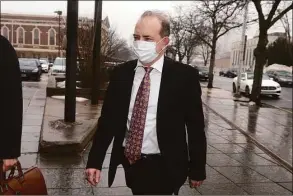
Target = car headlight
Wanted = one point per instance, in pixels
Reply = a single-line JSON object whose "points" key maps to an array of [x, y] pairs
{"points": [[35, 70], [200, 72], [278, 86]]}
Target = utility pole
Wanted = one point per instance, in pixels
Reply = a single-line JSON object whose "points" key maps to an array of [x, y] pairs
{"points": [[242, 48], [244, 51], [71, 58], [96, 61], [59, 13]]}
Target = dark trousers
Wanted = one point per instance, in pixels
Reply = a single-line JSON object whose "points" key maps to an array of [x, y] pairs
{"points": [[148, 176]]}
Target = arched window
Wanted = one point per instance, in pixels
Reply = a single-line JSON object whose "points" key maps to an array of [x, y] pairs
{"points": [[20, 35], [5, 32], [52, 37], [36, 36]]}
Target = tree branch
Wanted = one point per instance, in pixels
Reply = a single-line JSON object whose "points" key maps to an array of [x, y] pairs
{"points": [[259, 10], [281, 15], [273, 10], [228, 29]]}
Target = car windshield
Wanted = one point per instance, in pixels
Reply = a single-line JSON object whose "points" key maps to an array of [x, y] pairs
{"points": [[60, 61], [251, 75], [284, 73], [43, 62], [28, 63], [202, 69]]}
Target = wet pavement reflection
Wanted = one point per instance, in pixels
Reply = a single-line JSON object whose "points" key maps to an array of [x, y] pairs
{"points": [[235, 165], [271, 127]]}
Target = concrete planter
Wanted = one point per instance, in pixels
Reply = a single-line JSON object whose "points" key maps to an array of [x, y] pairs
{"points": [[53, 90]]}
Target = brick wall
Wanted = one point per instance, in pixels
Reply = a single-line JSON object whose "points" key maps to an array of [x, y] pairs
{"points": [[43, 48]]}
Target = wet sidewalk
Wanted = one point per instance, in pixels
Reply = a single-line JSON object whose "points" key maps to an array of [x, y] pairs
{"points": [[34, 100], [235, 166], [271, 127]]}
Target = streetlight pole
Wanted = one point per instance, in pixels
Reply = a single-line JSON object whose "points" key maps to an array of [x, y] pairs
{"points": [[292, 26], [71, 64], [242, 48], [96, 61], [59, 13]]}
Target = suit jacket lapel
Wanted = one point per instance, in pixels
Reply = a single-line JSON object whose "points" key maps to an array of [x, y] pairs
{"points": [[130, 72], [127, 82]]}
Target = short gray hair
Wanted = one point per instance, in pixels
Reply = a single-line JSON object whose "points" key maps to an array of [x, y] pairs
{"points": [[165, 22]]}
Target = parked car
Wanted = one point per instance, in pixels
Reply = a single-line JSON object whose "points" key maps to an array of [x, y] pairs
{"points": [[268, 86], [222, 72], [203, 73], [231, 73], [284, 78], [45, 65], [59, 66], [30, 68]]}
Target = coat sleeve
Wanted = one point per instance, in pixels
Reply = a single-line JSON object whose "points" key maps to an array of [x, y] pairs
{"points": [[103, 135], [195, 128], [11, 104]]}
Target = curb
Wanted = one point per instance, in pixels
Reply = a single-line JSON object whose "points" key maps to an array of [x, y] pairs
{"points": [[66, 141], [68, 147], [284, 163], [279, 108]]}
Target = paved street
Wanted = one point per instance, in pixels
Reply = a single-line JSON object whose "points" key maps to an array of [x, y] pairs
{"points": [[235, 166], [285, 100]]}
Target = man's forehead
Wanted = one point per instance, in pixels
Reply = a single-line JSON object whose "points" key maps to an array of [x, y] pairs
{"points": [[149, 20], [147, 25]]}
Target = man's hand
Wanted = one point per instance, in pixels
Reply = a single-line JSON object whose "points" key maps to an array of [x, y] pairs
{"points": [[8, 164], [194, 183], [93, 176]]}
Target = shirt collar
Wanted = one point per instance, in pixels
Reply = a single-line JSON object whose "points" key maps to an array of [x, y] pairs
{"points": [[158, 65]]}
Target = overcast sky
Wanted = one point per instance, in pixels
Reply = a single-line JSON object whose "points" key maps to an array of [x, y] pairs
{"points": [[122, 14]]}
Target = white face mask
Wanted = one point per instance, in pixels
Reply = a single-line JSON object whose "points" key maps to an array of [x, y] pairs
{"points": [[146, 51]]}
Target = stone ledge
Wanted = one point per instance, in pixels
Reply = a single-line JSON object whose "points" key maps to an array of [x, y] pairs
{"points": [[53, 90], [71, 138]]}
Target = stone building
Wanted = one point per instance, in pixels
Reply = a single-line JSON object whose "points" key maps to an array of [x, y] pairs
{"points": [[37, 36], [249, 60], [222, 62]]}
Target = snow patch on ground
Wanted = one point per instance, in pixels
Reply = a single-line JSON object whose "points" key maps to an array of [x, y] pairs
{"points": [[78, 99], [62, 85]]}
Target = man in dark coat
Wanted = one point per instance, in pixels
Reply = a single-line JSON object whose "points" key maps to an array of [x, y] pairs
{"points": [[152, 110], [10, 105]]}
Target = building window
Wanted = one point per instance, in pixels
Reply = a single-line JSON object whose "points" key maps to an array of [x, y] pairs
{"points": [[52, 37], [20, 35], [36, 36], [5, 32]]}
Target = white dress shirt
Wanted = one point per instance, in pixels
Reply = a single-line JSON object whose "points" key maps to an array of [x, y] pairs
{"points": [[150, 141]]}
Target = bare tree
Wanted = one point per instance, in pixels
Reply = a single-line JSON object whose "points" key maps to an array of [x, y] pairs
{"points": [[111, 44], [205, 52], [85, 40], [286, 24], [178, 32], [260, 52], [191, 41], [183, 41], [212, 19]]}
